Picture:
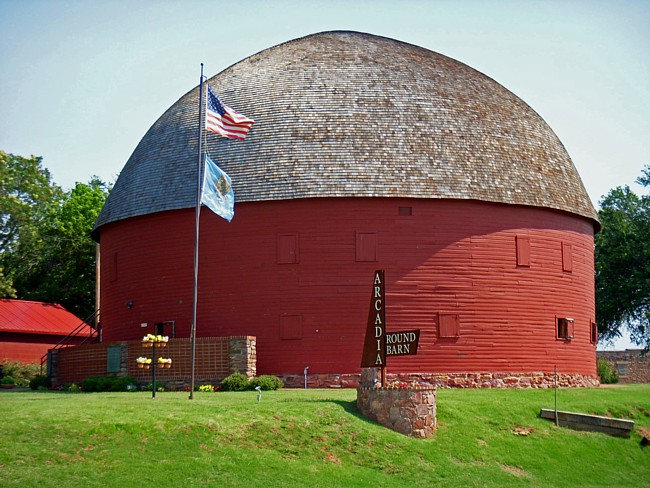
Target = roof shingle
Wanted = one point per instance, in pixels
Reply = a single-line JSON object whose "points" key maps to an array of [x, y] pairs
{"points": [[346, 114]]}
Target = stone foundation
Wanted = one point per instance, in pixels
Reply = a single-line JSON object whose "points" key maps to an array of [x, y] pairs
{"points": [[409, 412], [447, 380]]}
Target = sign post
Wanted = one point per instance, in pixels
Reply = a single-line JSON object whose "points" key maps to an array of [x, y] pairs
{"points": [[374, 347], [379, 343]]}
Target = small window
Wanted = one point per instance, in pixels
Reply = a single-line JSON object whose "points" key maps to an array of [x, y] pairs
{"points": [[448, 325], [366, 246], [287, 248], [404, 211], [594, 332], [165, 328], [523, 251], [621, 369], [567, 257], [564, 328], [290, 327]]}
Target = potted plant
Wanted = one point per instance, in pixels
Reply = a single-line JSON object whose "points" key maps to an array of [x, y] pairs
{"points": [[143, 362], [165, 362], [7, 382]]}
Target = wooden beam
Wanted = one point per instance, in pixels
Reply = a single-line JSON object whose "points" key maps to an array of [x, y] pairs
{"points": [[593, 423]]}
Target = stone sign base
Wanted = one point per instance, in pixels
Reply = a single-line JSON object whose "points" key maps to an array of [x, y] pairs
{"points": [[407, 411]]}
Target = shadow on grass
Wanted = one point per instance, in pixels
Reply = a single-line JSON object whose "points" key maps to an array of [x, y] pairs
{"points": [[350, 407]]}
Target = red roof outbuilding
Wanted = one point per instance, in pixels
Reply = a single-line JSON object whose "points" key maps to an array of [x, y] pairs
{"points": [[28, 329]]}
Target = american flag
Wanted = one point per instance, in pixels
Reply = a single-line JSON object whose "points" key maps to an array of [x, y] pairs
{"points": [[225, 121]]}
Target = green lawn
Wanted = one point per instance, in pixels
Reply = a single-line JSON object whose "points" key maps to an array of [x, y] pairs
{"points": [[314, 438]]}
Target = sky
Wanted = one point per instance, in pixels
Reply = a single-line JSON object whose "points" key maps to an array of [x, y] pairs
{"points": [[82, 81]]}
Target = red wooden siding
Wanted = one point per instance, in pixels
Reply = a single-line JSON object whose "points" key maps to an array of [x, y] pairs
{"points": [[455, 258], [28, 348]]}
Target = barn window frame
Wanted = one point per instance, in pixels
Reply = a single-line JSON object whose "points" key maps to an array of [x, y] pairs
{"points": [[567, 257], [594, 332], [405, 211], [165, 328], [448, 325], [565, 328], [290, 328], [366, 246], [288, 248], [523, 251]]}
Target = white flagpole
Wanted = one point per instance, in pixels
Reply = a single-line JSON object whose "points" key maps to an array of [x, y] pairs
{"points": [[196, 238]]}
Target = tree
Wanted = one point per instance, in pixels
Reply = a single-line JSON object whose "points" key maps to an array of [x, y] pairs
{"points": [[47, 252], [623, 264], [28, 199], [6, 288], [65, 272]]}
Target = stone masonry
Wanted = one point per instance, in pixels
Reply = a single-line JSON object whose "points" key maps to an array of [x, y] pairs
{"points": [[448, 380], [407, 411]]}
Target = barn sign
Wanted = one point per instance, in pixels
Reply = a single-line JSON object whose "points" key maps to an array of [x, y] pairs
{"points": [[402, 343], [379, 343], [374, 347]]}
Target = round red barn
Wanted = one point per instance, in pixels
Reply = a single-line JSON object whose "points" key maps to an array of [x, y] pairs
{"points": [[367, 153]]}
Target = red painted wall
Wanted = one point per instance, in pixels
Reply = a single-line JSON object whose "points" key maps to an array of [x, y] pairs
{"points": [[455, 258], [27, 348]]}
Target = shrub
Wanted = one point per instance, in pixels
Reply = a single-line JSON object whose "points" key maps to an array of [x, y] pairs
{"points": [[209, 388], [96, 383], [125, 383], [73, 388], [235, 382], [22, 373], [108, 383], [266, 382], [159, 386], [40, 382], [7, 380], [606, 372]]}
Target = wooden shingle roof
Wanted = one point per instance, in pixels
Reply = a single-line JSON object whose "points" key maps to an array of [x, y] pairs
{"points": [[346, 114]]}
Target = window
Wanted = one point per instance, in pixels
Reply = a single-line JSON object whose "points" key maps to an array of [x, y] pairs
{"points": [[564, 328], [287, 248], [164, 328], [290, 327], [523, 251], [621, 369], [567, 257], [366, 246], [448, 325], [594, 332]]}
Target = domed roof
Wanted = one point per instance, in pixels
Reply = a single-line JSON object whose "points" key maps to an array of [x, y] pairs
{"points": [[347, 114]]}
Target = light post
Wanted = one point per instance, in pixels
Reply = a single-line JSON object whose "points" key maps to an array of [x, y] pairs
{"points": [[154, 342]]}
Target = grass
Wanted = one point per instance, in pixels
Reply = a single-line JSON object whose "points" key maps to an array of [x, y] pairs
{"points": [[314, 438]]}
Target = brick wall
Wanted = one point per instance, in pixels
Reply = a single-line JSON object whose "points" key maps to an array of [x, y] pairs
{"points": [[632, 362], [215, 358]]}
